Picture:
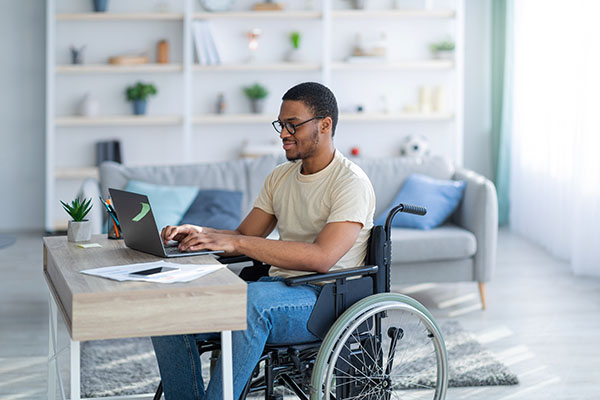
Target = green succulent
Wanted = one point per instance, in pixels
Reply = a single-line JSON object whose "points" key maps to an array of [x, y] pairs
{"points": [[256, 91], [446, 45], [78, 208], [140, 91], [295, 38]]}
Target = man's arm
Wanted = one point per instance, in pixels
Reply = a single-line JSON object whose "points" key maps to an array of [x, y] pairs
{"points": [[256, 223], [335, 240]]}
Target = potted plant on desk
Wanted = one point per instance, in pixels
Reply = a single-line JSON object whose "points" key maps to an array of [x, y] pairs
{"points": [[257, 94], [80, 229], [139, 94]]}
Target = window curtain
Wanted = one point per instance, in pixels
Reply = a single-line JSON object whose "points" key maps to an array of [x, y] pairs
{"points": [[502, 73], [555, 162]]}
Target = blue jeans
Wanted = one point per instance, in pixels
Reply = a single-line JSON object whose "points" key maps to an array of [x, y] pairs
{"points": [[276, 313]]}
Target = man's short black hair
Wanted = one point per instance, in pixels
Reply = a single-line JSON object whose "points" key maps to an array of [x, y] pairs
{"points": [[318, 98]]}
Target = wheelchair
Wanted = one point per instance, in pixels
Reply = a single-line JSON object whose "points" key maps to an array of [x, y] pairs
{"points": [[374, 344]]}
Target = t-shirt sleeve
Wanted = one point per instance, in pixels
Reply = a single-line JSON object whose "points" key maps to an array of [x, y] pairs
{"points": [[353, 200], [264, 201]]}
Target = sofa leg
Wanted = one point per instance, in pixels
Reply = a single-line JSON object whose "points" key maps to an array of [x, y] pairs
{"points": [[482, 295]]}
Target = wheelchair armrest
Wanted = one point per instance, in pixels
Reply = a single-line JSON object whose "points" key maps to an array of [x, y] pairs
{"points": [[234, 259], [344, 273]]}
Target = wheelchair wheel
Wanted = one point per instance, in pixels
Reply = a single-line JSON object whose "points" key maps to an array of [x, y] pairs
{"points": [[386, 346]]}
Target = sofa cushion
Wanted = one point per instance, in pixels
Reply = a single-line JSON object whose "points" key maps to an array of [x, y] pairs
{"points": [[219, 209], [246, 176], [387, 175], [168, 202], [439, 196], [448, 242]]}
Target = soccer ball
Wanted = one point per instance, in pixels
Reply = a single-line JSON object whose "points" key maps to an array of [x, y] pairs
{"points": [[414, 146]]}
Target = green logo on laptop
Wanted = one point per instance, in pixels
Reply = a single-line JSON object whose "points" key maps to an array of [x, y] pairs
{"points": [[142, 214]]}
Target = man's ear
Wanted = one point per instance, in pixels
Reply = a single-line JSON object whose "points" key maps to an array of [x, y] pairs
{"points": [[326, 125]]}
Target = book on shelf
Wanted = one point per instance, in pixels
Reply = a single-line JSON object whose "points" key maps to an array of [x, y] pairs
{"points": [[206, 50]]}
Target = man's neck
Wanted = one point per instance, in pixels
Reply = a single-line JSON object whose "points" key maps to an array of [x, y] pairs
{"points": [[319, 161]]}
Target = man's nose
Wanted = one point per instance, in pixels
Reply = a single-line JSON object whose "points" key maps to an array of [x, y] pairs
{"points": [[284, 133]]}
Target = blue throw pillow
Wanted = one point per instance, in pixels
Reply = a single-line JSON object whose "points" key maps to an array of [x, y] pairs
{"points": [[439, 197], [169, 203], [219, 209]]}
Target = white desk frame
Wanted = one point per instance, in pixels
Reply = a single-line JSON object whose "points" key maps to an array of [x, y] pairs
{"points": [[55, 376]]}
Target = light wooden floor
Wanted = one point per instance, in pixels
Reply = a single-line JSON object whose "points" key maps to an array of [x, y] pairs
{"points": [[541, 321]]}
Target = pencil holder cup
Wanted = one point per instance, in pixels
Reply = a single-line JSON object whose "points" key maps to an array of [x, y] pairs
{"points": [[114, 230]]}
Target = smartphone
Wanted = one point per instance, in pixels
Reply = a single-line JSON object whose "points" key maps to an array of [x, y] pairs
{"points": [[153, 271]]}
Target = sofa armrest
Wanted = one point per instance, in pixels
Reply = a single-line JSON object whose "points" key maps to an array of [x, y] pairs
{"points": [[478, 213], [90, 188]]}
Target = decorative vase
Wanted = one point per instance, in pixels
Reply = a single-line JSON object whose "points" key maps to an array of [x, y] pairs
{"points": [[139, 107], [79, 231], [257, 105], [100, 5], [89, 106], [444, 55]]}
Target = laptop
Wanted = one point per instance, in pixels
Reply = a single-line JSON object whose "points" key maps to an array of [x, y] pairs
{"points": [[139, 226]]}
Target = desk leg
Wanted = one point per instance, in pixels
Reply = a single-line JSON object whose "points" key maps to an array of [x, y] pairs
{"points": [[52, 333], [75, 371], [227, 362], [53, 366]]}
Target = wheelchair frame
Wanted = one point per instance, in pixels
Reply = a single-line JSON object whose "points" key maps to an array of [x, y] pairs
{"points": [[342, 307]]}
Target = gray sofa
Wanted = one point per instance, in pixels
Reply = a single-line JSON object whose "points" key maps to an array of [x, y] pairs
{"points": [[462, 249]]}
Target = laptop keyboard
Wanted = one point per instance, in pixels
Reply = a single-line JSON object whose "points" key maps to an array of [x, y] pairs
{"points": [[173, 250]]}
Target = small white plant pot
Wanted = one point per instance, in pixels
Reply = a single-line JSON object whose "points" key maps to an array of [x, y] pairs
{"points": [[294, 56], [79, 231], [444, 55]]}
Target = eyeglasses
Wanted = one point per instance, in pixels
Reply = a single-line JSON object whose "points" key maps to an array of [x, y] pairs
{"points": [[291, 128]]}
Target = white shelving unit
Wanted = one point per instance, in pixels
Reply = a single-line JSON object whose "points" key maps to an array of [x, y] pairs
{"points": [[181, 123]]}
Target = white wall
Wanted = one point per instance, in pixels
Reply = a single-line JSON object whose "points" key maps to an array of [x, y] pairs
{"points": [[477, 125], [22, 107]]}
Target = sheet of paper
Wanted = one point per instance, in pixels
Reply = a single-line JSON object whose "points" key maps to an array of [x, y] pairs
{"points": [[184, 272]]}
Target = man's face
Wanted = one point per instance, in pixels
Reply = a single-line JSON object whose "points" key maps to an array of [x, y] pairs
{"points": [[304, 143]]}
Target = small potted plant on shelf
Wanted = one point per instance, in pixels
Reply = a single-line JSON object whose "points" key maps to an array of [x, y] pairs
{"points": [[138, 94], [257, 94], [442, 50], [79, 229], [294, 54]]}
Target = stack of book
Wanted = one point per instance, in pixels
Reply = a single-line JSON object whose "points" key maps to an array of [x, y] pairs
{"points": [[206, 50]]}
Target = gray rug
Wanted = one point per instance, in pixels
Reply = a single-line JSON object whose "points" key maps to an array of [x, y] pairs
{"points": [[6, 240], [128, 366]]}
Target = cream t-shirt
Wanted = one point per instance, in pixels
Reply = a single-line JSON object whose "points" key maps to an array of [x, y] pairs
{"points": [[304, 204]]}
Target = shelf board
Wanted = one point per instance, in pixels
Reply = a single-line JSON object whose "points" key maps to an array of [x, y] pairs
{"points": [[398, 116], [76, 172], [259, 15], [394, 13], [233, 118], [123, 120], [117, 69], [395, 65], [282, 66], [108, 16], [352, 117]]}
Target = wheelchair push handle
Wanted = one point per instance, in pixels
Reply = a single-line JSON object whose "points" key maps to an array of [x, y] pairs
{"points": [[407, 208]]}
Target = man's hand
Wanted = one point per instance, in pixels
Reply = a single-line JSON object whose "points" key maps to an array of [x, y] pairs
{"points": [[179, 233], [209, 240]]}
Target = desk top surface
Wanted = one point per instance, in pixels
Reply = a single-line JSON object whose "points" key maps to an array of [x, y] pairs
{"points": [[70, 259], [99, 308]]}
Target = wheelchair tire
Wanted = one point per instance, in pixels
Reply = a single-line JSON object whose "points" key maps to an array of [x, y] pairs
{"points": [[403, 355]]}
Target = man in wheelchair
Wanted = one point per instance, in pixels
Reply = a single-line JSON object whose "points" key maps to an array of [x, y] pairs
{"points": [[322, 205]]}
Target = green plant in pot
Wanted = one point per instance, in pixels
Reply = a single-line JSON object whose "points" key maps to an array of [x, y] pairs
{"points": [[256, 94], [139, 94], [80, 229], [294, 55], [442, 50]]}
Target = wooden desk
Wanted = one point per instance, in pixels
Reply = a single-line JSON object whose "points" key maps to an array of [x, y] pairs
{"points": [[95, 308]]}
